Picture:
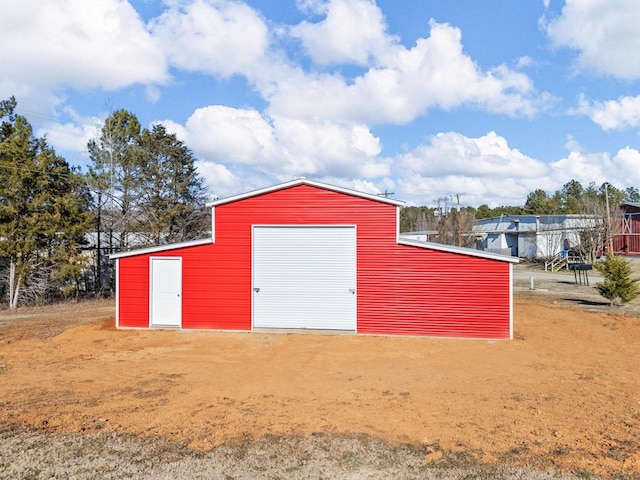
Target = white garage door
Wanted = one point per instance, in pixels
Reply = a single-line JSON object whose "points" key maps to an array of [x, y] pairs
{"points": [[304, 277]]}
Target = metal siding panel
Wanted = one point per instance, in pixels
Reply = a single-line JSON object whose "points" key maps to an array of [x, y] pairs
{"points": [[304, 277], [302, 205], [213, 293], [117, 267], [435, 294], [204, 293], [133, 294]]}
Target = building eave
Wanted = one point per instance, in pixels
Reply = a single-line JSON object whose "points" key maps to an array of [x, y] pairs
{"points": [[161, 248], [471, 252], [304, 181]]}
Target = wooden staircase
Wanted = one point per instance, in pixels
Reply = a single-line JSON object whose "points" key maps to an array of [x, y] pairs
{"points": [[562, 260]]}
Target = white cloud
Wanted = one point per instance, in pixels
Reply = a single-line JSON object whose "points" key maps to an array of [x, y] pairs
{"points": [[352, 32], [175, 128], [626, 168], [524, 62], [240, 150], [50, 46], [583, 167], [221, 182], [421, 190], [71, 136], [485, 170], [32, 102], [604, 32], [613, 114], [217, 37], [621, 170], [231, 134], [482, 170], [52, 43], [572, 144], [317, 120], [358, 185], [327, 148], [484, 157], [282, 147], [434, 73]]}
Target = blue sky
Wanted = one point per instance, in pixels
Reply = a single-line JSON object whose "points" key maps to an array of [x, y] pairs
{"points": [[424, 98]]}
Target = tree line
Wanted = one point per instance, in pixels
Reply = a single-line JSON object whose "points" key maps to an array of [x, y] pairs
{"points": [[57, 224], [572, 199]]}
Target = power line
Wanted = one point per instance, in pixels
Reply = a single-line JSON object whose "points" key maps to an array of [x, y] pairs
{"points": [[69, 174]]}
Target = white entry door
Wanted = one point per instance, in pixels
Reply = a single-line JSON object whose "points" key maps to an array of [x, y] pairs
{"points": [[166, 292], [304, 277]]}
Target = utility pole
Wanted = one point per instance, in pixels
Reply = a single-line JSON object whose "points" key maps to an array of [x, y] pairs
{"points": [[609, 239], [443, 210]]}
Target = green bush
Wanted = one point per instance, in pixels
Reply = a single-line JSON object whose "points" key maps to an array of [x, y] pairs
{"points": [[618, 286]]}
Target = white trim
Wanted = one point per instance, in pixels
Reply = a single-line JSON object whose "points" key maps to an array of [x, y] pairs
{"points": [[117, 294], [510, 301], [161, 248], [213, 224], [303, 181], [460, 250], [398, 224]]}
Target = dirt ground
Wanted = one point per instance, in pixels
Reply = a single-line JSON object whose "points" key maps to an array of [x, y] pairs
{"points": [[562, 397]]}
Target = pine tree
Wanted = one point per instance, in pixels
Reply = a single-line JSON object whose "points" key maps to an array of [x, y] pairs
{"points": [[618, 286], [145, 183], [115, 176], [173, 194], [43, 214]]}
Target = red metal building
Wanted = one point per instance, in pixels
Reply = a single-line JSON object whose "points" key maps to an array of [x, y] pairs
{"points": [[628, 241], [306, 255]]}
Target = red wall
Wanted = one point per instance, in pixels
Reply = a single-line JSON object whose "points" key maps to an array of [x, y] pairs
{"points": [[417, 291], [628, 242], [401, 289]]}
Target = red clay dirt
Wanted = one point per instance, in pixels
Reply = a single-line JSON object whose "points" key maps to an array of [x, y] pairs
{"points": [[564, 393]]}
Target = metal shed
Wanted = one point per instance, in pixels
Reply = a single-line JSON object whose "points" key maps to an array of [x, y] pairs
{"points": [[307, 255]]}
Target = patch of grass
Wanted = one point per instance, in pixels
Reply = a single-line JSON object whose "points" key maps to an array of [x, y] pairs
{"points": [[364, 440], [349, 459], [561, 451], [242, 445]]}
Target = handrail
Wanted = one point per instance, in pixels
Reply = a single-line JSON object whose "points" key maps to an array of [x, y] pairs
{"points": [[556, 260], [563, 259]]}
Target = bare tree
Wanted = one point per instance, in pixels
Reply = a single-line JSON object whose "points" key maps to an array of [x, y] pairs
{"points": [[551, 237], [597, 227], [456, 228], [416, 219]]}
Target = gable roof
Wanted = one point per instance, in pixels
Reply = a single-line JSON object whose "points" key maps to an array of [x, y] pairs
{"points": [[304, 181]]}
